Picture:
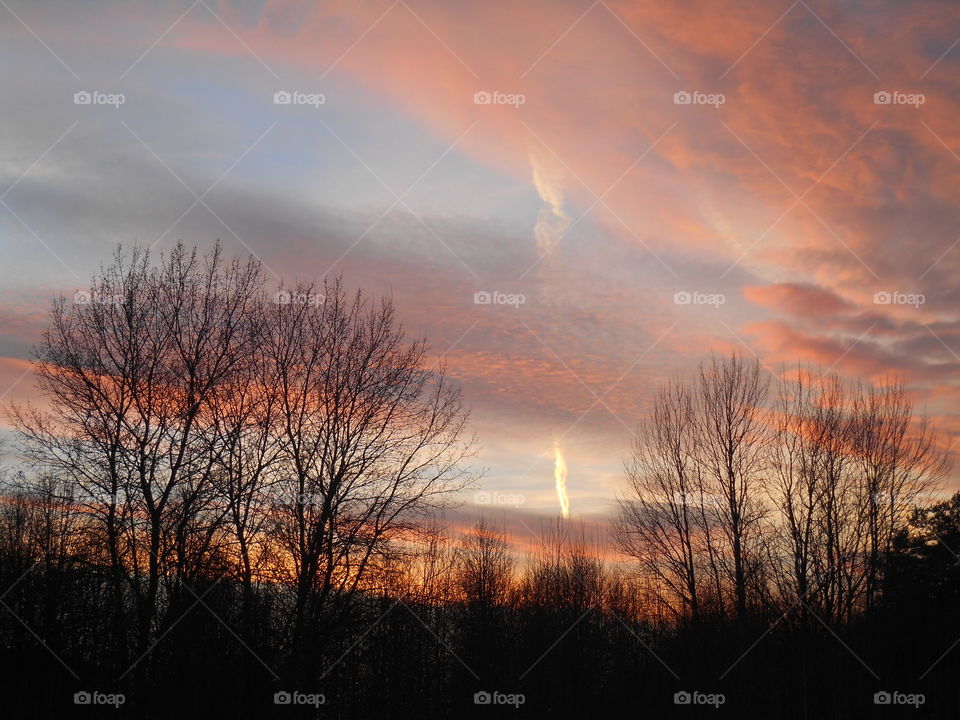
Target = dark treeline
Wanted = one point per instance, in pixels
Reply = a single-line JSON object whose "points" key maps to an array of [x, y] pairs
{"points": [[230, 498]]}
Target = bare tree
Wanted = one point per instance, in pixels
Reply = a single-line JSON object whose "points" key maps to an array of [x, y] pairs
{"points": [[566, 575], [731, 394], [898, 459], [246, 441], [484, 566], [661, 520], [848, 462], [815, 490], [694, 507], [127, 372], [371, 440]]}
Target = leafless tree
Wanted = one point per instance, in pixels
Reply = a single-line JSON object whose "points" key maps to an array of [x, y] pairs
{"points": [[206, 430], [662, 520], [246, 441], [897, 458], [730, 436], [814, 488], [694, 506], [848, 461], [485, 566], [371, 439], [127, 371]]}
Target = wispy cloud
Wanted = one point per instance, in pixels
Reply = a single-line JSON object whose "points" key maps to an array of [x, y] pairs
{"points": [[552, 220]]}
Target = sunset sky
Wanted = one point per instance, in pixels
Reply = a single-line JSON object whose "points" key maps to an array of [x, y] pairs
{"points": [[804, 201]]}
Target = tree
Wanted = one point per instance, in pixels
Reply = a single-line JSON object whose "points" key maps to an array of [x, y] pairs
{"points": [[814, 486], [371, 440], [128, 370], [206, 427], [848, 463], [484, 566], [662, 520], [694, 506], [729, 435], [898, 459]]}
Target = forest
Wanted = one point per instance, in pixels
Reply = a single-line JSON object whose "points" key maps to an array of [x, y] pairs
{"points": [[232, 501]]}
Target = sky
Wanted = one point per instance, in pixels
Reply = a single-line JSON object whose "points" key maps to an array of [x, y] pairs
{"points": [[571, 200]]}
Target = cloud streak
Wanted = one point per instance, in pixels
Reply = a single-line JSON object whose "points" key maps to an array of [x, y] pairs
{"points": [[552, 220]]}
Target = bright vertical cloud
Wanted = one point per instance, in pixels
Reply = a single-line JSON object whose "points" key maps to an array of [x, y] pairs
{"points": [[560, 480], [552, 220]]}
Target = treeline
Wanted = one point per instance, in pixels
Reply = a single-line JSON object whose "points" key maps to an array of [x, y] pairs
{"points": [[230, 504], [558, 631], [745, 498]]}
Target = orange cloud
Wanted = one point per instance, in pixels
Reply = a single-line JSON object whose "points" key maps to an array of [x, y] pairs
{"points": [[802, 300]]}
